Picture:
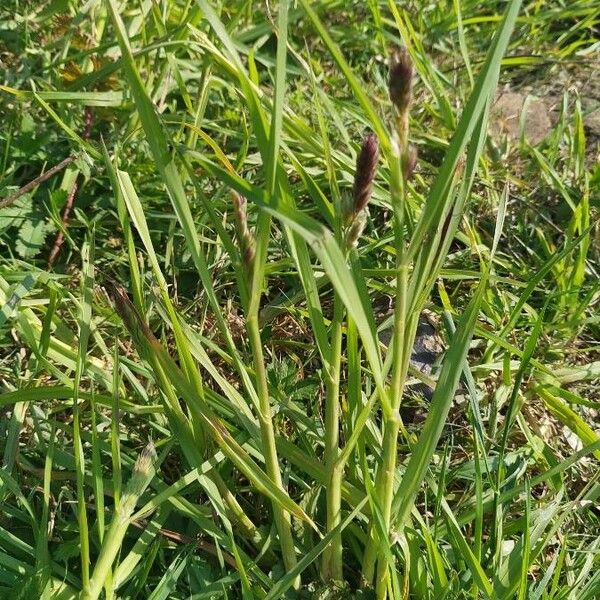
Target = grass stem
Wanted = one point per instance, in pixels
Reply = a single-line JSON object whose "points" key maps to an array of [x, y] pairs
{"points": [[332, 556], [282, 517]]}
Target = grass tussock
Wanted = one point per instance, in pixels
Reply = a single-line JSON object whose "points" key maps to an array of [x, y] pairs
{"points": [[288, 312]]}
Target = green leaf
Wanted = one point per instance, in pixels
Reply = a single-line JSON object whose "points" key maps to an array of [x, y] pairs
{"points": [[32, 236], [15, 214], [567, 416]]}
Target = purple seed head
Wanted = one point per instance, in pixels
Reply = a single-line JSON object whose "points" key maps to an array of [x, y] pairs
{"points": [[401, 80], [366, 166]]}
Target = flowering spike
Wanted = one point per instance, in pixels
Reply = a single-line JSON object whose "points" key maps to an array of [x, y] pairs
{"points": [[366, 166], [245, 238], [401, 80], [135, 323], [141, 476], [356, 229]]}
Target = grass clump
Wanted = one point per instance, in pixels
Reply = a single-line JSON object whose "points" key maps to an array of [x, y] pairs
{"points": [[213, 381]]}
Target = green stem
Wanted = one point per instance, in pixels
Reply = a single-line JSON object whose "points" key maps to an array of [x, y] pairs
{"points": [[282, 517], [332, 556], [110, 548], [141, 476], [84, 542], [386, 488], [402, 343]]}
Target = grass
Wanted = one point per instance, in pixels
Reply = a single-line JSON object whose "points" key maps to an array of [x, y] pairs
{"points": [[202, 395]]}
